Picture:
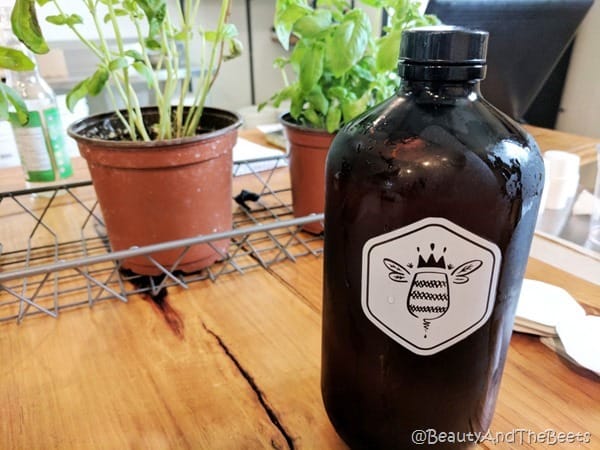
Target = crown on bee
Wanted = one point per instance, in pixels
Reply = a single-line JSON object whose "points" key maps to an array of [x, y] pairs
{"points": [[432, 261]]}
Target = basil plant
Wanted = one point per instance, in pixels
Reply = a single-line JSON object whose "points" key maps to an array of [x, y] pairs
{"points": [[340, 67], [164, 36]]}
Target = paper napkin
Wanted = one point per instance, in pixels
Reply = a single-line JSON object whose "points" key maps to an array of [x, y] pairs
{"points": [[541, 306], [580, 337], [562, 324]]}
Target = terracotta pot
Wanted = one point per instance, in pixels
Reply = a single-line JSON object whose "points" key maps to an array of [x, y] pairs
{"points": [[307, 149], [160, 191]]}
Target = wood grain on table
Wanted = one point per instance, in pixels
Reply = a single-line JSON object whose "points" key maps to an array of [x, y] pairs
{"points": [[236, 364]]}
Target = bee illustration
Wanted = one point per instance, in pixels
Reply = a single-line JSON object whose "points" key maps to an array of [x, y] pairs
{"points": [[429, 294]]}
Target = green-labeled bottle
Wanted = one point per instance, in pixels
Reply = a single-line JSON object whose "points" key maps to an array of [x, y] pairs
{"points": [[431, 203], [41, 140]]}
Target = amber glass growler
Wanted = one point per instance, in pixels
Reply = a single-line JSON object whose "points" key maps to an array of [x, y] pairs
{"points": [[431, 203]]}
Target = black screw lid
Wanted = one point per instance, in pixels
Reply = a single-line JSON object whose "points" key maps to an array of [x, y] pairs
{"points": [[443, 53]]}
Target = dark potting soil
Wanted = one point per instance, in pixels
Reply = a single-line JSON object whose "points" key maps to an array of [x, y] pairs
{"points": [[113, 130], [110, 128]]}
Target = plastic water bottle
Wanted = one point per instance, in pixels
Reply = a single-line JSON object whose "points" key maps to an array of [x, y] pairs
{"points": [[41, 140]]}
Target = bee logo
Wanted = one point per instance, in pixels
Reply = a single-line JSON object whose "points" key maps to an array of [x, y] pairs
{"points": [[429, 294]]}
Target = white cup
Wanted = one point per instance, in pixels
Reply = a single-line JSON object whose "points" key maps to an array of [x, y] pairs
{"points": [[562, 178]]}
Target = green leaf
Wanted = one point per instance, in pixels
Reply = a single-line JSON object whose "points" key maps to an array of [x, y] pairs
{"points": [[388, 51], [3, 105], [431, 19], [348, 43], [12, 59], [312, 117], [153, 44], [376, 3], [285, 94], [155, 12], [151, 8], [300, 50], [118, 63], [137, 56], [97, 81], [63, 19], [297, 103], [353, 108], [145, 71], [59, 19], [311, 67], [280, 62], [210, 36], [16, 101], [362, 73], [74, 19], [130, 6], [116, 12], [338, 92], [402, 8], [318, 101], [333, 119], [286, 16], [235, 49], [76, 94], [26, 26], [313, 24], [337, 7], [228, 32], [182, 35]]}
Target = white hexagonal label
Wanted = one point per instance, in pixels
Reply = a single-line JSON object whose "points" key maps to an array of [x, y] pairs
{"points": [[430, 284]]}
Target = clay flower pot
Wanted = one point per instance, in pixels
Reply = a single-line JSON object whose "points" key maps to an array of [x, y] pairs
{"points": [[160, 191], [307, 152]]}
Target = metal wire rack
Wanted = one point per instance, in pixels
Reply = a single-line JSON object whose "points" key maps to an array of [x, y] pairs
{"points": [[59, 256]]}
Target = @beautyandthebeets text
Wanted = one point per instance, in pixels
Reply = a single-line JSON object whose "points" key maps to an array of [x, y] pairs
{"points": [[518, 436]]}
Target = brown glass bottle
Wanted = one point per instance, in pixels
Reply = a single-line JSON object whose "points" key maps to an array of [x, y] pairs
{"points": [[435, 151]]}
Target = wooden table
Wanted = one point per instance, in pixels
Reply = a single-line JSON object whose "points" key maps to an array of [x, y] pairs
{"points": [[235, 364]]}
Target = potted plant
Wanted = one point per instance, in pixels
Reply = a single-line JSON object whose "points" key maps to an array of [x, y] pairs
{"points": [[340, 69], [161, 173]]}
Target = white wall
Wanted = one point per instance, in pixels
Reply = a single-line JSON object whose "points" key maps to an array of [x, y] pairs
{"points": [[232, 87], [580, 104], [267, 79]]}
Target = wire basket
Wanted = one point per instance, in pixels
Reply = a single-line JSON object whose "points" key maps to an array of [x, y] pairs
{"points": [[59, 257]]}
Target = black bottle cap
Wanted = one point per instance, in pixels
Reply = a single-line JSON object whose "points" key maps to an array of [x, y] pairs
{"points": [[443, 53]]}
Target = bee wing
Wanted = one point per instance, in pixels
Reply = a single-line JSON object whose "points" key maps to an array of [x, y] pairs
{"points": [[398, 272], [460, 280], [459, 275], [399, 277]]}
